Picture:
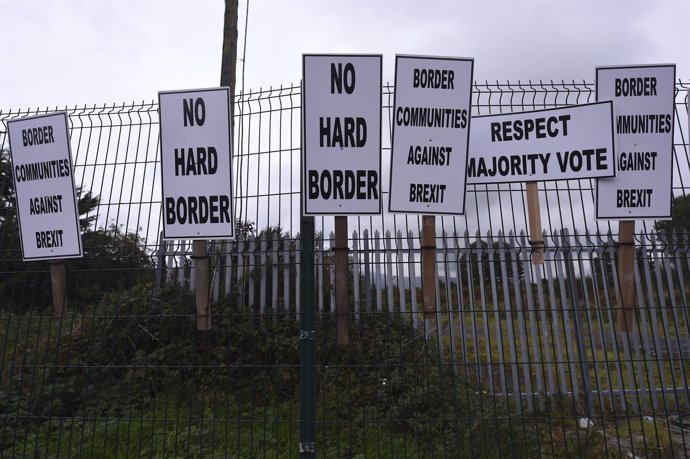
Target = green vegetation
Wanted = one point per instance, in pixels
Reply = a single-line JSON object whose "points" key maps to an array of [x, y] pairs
{"points": [[114, 258], [129, 376], [126, 374], [680, 209]]}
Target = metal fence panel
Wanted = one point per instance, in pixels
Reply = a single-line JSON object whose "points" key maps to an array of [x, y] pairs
{"points": [[520, 360]]}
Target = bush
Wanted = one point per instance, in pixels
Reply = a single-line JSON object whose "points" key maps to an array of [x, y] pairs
{"points": [[131, 351]]}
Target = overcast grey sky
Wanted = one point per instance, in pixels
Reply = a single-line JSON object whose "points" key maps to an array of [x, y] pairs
{"points": [[66, 53]]}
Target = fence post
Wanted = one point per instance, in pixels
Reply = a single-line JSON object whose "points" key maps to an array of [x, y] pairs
{"points": [[401, 274], [413, 282], [274, 277], [356, 275], [298, 278], [57, 283], [577, 316], [170, 261], [160, 262], [287, 266], [534, 215], [626, 274], [367, 271], [307, 435], [251, 273], [331, 275], [182, 264], [390, 287], [215, 280], [377, 265], [228, 266], [263, 261], [342, 307], [429, 277], [318, 246], [201, 285]]}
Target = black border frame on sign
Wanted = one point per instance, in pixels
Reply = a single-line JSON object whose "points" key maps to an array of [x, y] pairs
{"points": [[74, 189], [467, 147], [673, 125], [226, 89], [303, 146], [527, 179]]}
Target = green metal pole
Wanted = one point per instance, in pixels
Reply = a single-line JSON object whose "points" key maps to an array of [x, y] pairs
{"points": [[307, 351]]}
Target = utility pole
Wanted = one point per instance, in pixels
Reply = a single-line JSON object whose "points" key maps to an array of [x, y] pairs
{"points": [[229, 57], [227, 78]]}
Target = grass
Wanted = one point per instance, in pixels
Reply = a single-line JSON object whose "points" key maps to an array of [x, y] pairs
{"points": [[130, 377], [169, 429], [554, 354]]}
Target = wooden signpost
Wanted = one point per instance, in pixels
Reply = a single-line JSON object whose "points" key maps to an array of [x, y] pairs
{"points": [[626, 274], [643, 100], [429, 272], [58, 286], [341, 162], [535, 229], [196, 163], [46, 195], [574, 142], [431, 123]]}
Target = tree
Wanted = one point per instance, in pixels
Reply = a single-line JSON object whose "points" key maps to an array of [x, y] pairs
{"points": [[113, 258], [8, 215], [681, 216], [9, 229]]}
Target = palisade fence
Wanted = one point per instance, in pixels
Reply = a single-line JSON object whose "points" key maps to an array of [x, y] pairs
{"points": [[529, 336]]}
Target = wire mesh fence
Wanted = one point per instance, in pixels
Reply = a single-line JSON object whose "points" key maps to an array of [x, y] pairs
{"points": [[520, 360]]}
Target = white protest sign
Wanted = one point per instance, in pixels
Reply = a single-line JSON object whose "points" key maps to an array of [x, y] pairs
{"points": [[196, 162], [573, 142], [643, 98], [44, 185], [431, 125], [341, 139]]}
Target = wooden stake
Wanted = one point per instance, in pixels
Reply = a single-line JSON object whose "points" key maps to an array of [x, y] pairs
{"points": [[57, 283], [429, 265], [342, 307], [626, 274], [201, 287], [534, 216]]}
